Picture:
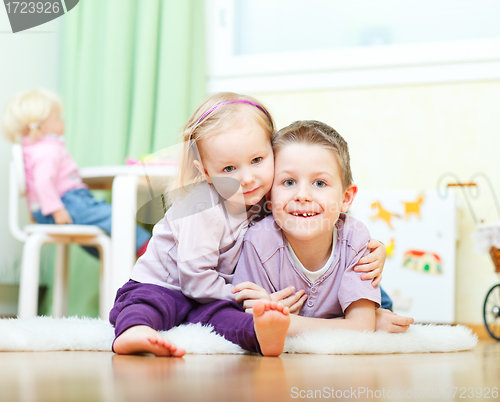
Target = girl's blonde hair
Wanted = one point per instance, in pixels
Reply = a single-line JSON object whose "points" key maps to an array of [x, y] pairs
{"points": [[211, 118], [25, 111], [312, 132]]}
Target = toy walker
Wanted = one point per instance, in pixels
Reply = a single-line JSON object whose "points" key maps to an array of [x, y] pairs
{"points": [[487, 239]]}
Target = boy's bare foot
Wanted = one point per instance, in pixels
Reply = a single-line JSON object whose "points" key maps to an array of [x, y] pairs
{"points": [[271, 321], [143, 339]]}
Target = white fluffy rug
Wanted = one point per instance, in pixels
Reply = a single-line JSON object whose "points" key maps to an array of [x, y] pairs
{"points": [[47, 333]]}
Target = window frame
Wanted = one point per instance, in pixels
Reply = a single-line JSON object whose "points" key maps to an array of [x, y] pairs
{"points": [[440, 62]]}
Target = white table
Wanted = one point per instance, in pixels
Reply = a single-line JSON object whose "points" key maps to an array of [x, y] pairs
{"points": [[126, 182]]}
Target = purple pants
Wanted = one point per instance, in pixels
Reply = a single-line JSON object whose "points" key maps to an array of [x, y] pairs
{"points": [[161, 308]]}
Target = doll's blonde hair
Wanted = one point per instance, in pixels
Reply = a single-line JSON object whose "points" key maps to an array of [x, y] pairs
{"points": [[25, 111], [213, 117]]}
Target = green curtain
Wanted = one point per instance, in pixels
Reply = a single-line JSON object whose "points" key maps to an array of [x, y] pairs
{"points": [[132, 73]]}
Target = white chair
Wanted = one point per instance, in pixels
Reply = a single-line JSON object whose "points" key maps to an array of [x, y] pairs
{"points": [[35, 236]]}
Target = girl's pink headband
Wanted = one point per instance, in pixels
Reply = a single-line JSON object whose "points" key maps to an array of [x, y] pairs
{"points": [[234, 101]]}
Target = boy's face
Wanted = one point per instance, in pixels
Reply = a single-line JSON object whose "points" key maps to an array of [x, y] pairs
{"points": [[307, 195], [242, 153]]}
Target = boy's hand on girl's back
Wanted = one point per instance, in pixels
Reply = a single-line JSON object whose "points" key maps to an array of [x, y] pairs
{"points": [[388, 321], [62, 217], [373, 263]]}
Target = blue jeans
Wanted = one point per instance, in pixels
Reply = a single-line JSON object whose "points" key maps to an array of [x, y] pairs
{"points": [[85, 210], [386, 300]]}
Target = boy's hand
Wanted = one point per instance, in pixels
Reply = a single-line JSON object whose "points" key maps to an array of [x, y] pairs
{"points": [[62, 217], [373, 263], [388, 321]]}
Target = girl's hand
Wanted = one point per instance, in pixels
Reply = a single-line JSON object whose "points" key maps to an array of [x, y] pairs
{"points": [[388, 321], [249, 291], [62, 217], [293, 302], [373, 263]]}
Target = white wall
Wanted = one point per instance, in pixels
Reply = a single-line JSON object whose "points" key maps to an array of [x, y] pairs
{"points": [[28, 60], [405, 137]]}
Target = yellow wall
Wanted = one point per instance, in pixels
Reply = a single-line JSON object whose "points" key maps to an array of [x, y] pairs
{"points": [[405, 137]]}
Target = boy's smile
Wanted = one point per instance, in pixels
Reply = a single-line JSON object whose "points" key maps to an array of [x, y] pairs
{"points": [[307, 195]]}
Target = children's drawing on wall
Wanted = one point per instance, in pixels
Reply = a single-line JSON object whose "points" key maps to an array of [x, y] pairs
{"points": [[413, 208], [410, 208], [422, 261], [383, 214], [390, 248], [419, 231]]}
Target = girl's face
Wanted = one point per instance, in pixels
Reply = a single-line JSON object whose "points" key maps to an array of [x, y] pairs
{"points": [[242, 153], [307, 195], [53, 123]]}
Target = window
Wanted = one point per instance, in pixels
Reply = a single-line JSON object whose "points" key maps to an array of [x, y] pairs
{"points": [[263, 45]]}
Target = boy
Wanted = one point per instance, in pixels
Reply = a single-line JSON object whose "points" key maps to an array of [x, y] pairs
{"points": [[309, 242]]}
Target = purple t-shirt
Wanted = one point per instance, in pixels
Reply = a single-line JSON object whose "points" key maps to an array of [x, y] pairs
{"points": [[266, 261]]}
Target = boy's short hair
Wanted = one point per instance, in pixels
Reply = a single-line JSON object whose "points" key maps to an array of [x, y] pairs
{"points": [[314, 132]]}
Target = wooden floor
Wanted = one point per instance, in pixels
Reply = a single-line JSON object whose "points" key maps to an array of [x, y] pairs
{"points": [[103, 376]]}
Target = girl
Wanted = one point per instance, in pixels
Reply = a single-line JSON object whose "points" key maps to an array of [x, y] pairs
{"points": [[55, 191], [227, 168]]}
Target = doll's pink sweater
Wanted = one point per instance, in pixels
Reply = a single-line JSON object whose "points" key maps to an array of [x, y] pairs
{"points": [[50, 172]]}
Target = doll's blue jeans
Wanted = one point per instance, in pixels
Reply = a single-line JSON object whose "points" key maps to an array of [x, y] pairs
{"points": [[85, 210]]}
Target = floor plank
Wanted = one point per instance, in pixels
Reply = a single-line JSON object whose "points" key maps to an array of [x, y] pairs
{"points": [[103, 376]]}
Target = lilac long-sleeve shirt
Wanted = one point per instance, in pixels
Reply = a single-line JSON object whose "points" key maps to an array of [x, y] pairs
{"points": [[266, 261], [50, 173], [196, 246]]}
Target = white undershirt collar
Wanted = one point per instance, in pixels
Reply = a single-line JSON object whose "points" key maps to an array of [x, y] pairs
{"points": [[314, 275]]}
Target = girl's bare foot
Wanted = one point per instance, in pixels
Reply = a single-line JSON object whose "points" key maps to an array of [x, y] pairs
{"points": [[271, 321], [143, 339]]}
